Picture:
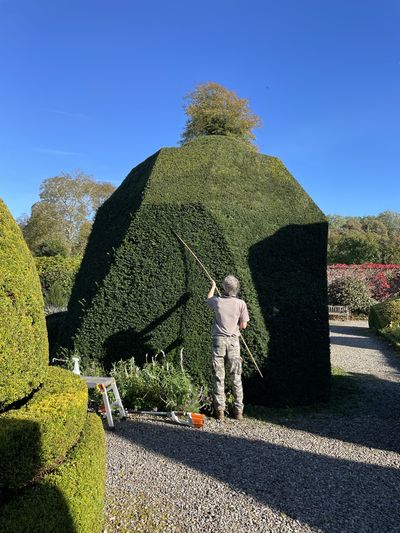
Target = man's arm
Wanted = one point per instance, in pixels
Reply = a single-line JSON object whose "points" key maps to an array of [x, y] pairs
{"points": [[212, 290], [244, 316]]}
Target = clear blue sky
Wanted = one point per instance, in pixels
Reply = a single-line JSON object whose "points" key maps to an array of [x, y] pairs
{"points": [[98, 85]]}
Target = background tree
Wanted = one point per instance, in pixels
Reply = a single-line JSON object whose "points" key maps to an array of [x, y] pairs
{"points": [[355, 240], [60, 222], [214, 110]]}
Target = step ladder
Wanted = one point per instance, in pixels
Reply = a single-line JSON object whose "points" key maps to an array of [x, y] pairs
{"points": [[104, 385]]}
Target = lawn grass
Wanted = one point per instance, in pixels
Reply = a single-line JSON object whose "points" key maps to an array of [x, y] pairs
{"points": [[391, 336]]}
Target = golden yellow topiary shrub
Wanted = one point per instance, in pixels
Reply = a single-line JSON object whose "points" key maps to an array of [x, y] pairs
{"points": [[23, 337]]}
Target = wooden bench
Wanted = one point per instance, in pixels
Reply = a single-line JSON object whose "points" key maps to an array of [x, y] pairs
{"points": [[339, 310]]}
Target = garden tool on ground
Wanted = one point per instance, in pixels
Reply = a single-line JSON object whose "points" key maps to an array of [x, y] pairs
{"points": [[219, 293], [193, 420]]}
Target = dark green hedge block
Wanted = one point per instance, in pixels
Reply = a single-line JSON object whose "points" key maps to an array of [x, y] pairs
{"points": [[68, 500], [139, 291], [54, 325], [384, 314], [39, 435], [23, 338]]}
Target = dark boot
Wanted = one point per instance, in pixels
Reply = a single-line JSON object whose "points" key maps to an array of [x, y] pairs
{"points": [[220, 415], [238, 414]]}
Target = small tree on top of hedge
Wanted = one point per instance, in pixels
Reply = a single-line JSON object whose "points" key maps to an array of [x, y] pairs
{"points": [[214, 110]]}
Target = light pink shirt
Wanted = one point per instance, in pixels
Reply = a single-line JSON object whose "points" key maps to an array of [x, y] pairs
{"points": [[228, 313]]}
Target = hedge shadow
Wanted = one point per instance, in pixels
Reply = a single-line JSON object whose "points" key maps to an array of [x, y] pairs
{"points": [[289, 273], [325, 492], [11, 521]]}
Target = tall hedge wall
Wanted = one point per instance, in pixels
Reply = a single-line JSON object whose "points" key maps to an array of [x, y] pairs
{"points": [[138, 291], [23, 337]]}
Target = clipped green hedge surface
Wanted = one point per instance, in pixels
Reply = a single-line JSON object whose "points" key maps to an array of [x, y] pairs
{"points": [[39, 434], [23, 338], [57, 272], [68, 500], [54, 325], [139, 291], [385, 314]]}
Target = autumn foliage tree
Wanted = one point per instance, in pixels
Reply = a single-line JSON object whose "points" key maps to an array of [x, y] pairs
{"points": [[60, 222], [214, 110]]}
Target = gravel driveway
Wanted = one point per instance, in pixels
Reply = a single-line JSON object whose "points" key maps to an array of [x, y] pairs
{"points": [[330, 472]]}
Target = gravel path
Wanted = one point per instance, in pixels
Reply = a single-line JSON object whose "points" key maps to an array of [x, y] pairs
{"points": [[328, 472]]}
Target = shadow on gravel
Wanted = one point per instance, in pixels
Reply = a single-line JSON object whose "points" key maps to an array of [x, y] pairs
{"points": [[362, 337], [354, 342], [368, 416], [334, 495], [359, 331]]}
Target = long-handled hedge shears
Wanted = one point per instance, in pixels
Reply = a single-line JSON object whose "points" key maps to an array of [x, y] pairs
{"points": [[211, 279]]}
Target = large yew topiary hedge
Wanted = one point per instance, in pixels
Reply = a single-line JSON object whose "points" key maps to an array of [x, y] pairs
{"points": [[139, 291], [23, 337]]}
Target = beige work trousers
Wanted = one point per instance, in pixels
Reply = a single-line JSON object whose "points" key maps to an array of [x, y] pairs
{"points": [[226, 351]]}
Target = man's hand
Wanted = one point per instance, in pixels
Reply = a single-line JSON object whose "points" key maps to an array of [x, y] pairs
{"points": [[212, 290]]}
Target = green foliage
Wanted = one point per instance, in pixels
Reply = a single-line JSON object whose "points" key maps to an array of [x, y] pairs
{"points": [[23, 339], [54, 324], [214, 110], [351, 291], [391, 334], [43, 230], [57, 296], [158, 384], [355, 240], [52, 248], [42, 412], [68, 500], [138, 291], [355, 247], [57, 275], [61, 220], [53, 419], [385, 314]]}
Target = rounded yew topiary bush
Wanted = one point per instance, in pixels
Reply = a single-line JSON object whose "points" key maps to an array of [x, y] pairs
{"points": [[52, 454], [23, 337], [385, 314], [39, 435]]}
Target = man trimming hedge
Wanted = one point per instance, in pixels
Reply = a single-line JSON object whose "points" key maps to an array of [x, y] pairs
{"points": [[230, 315]]}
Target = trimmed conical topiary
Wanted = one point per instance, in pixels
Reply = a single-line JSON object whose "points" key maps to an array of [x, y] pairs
{"points": [[52, 453], [139, 291], [23, 337]]}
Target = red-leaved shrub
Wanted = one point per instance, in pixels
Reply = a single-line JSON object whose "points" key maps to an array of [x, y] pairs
{"points": [[383, 280]]}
